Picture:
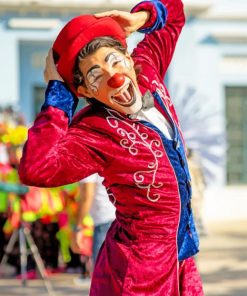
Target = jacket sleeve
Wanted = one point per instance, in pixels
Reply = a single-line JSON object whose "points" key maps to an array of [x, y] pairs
{"points": [[57, 153], [162, 32]]}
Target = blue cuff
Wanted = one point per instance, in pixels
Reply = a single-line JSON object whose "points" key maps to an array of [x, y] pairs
{"points": [[58, 95], [161, 18]]}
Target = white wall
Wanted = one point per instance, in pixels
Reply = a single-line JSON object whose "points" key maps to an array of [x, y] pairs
{"points": [[225, 203], [9, 69]]}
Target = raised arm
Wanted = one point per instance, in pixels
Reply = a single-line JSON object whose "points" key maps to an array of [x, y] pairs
{"points": [[57, 153], [162, 32]]}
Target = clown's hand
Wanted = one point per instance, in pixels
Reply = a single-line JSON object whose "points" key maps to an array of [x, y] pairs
{"points": [[50, 72], [130, 22]]}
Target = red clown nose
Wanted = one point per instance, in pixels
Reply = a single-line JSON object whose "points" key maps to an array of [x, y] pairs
{"points": [[116, 80]]}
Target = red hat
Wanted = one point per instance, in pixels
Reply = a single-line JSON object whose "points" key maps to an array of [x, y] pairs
{"points": [[75, 35]]}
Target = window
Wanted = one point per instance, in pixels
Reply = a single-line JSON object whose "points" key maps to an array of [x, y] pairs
{"points": [[236, 120], [39, 97]]}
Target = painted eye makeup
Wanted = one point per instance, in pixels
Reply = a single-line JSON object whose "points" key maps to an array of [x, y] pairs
{"points": [[94, 79], [115, 59], [94, 76]]}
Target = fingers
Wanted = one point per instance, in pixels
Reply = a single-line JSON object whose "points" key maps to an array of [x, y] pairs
{"points": [[125, 19], [50, 71], [110, 13], [49, 58], [75, 248], [76, 242], [45, 74], [48, 64]]}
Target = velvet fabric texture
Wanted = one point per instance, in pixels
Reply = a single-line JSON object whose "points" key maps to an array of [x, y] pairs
{"points": [[187, 238], [146, 176], [57, 95]]}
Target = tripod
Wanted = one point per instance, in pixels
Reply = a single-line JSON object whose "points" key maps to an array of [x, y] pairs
{"points": [[25, 237]]}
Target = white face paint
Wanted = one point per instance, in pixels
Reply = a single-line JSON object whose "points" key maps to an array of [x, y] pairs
{"points": [[94, 79], [95, 76], [99, 67]]}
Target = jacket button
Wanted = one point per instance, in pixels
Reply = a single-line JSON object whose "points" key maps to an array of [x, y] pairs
{"points": [[176, 145], [182, 162]]}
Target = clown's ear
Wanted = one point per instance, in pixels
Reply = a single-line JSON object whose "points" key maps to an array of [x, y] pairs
{"points": [[84, 92]]}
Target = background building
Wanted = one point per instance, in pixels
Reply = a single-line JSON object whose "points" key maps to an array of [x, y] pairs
{"points": [[211, 58]]}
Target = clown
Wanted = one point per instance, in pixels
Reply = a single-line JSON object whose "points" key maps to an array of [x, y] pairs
{"points": [[130, 136]]}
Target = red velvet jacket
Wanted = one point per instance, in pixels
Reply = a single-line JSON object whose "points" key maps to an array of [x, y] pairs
{"points": [[140, 254]]}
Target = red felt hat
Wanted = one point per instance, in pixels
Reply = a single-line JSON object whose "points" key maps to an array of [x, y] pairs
{"points": [[75, 35]]}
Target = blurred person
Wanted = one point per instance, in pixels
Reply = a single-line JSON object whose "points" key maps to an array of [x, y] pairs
{"points": [[36, 209], [130, 135], [198, 185], [4, 169], [12, 136], [94, 200], [66, 220], [3, 206]]}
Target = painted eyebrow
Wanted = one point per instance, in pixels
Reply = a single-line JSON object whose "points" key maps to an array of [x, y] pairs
{"points": [[92, 68], [97, 66], [108, 56]]}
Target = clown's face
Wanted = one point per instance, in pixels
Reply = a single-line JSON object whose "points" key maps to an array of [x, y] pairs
{"points": [[110, 78]]}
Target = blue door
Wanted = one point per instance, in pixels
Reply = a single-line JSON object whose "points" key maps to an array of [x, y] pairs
{"points": [[32, 85]]}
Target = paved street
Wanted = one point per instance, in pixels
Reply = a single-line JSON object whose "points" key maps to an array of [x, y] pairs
{"points": [[62, 285], [222, 263], [223, 259]]}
